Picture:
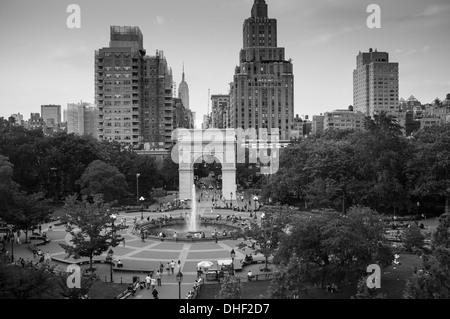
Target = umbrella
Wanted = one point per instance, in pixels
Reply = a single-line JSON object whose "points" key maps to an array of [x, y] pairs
{"points": [[204, 264]]}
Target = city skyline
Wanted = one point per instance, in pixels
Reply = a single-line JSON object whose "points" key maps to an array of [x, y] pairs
{"points": [[323, 40]]}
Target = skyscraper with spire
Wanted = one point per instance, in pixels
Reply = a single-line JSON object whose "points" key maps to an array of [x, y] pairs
{"points": [[262, 91], [183, 92]]}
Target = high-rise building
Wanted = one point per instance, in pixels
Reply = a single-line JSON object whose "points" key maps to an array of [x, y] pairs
{"points": [[119, 84], [183, 92], [51, 114], [82, 118], [220, 105], [262, 92], [375, 83], [157, 117]]}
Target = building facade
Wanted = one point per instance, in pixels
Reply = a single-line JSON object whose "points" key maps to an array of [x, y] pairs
{"points": [[51, 114], [119, 83], [82, 118], [375, 83], [343, 120], [220, 104], [262, 91], [157, 118], [317, 124]]}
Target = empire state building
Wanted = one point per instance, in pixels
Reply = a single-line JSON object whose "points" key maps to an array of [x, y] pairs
{"points": [[262, 91]]}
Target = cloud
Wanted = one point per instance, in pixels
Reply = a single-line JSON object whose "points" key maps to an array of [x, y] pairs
{"points": [[326, 37], [160, 20]]}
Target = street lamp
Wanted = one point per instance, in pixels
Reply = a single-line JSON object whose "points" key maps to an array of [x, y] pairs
{"points": [[179, 279], [255, 198], [137, 188], [232, 254], [109, 258], [263, 222], [11, 237], [231, 198], [113, 219], [142, 207]]}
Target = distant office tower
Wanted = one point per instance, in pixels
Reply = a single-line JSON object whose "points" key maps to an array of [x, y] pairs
{"points": [[82, 118], [183, 92], [51, 114], [375, 83], [119, 85], [262, 92], [157, 118], [220, 106]]}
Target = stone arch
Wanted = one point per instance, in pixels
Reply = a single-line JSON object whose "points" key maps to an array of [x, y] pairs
{"points": [[197, 146]]}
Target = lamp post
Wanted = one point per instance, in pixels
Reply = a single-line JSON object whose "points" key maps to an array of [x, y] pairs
{"points": [[137, 188], [263, 222], [232, 254], [11, 237], [179, 279], [110, 259], [231, 198], [142, 207], [255, 198], [113, 219]]}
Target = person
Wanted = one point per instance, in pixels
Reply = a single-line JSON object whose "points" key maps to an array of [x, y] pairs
{"points": [[148, 280], [152, 283], [168, 268], [155, 293], [119, 264], [172, 266], [158, 277], [179, 265], [175, 236], [123, 241], [47, 257], [161, 267], [249, 275], [334, 288], [328, 287]]}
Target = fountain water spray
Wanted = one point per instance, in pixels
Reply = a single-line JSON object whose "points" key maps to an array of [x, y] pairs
{"points": [[192, 218]]}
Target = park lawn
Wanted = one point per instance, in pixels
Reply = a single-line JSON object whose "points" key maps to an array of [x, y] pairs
{"points": [[106, 290], [393, 283], [250, 290]]}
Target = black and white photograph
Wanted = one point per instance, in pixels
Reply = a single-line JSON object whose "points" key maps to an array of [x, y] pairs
{"points": [[225, 155]]}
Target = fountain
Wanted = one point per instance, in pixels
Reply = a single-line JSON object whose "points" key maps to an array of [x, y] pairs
{"points": [[189, 227], [192, 218]]}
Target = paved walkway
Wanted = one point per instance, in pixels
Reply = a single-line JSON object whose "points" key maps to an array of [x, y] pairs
{"points": [[136, 254]]}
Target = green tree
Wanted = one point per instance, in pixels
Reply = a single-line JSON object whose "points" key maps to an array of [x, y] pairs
{"points": [[413, 237], [429, 168], [28, 211], [91, 228], [74, 293], [25, 283], [289, 280], [102, 178], [433, 282], [8, 188], [364, 292], [231, 288], [334, 246]]}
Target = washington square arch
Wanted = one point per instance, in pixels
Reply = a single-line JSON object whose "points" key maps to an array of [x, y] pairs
{"points": [[226, 147]]}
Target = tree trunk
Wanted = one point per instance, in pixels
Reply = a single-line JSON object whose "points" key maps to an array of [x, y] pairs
{"points": [[26, 235], [323, 276], [447, 205], [343, 203], [90, 262]]}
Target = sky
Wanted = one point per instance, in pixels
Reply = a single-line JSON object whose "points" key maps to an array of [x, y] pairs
{"points": [[45, 62]]}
